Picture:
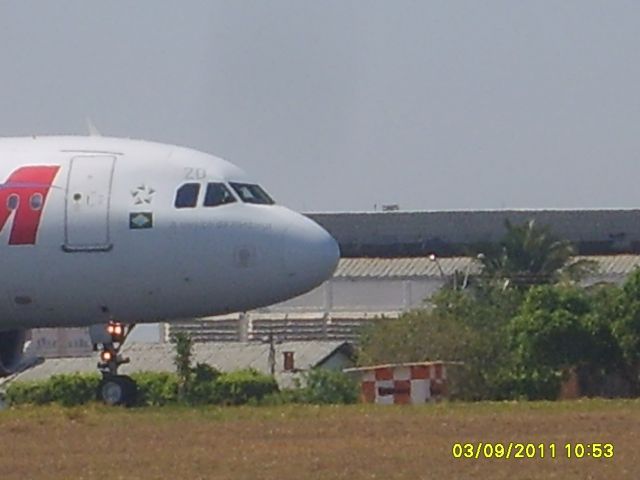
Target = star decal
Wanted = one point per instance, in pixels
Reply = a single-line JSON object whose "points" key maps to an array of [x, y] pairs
{"points": [[142, 195]]}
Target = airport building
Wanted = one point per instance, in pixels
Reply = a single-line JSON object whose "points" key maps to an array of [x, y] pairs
{"points": [[451, 233], [393, 262]]}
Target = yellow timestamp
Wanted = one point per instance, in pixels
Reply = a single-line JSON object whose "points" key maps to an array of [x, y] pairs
{"points": [[522, 451]]}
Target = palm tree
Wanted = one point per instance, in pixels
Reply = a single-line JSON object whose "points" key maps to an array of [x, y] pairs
{"points": [[530, 254]]}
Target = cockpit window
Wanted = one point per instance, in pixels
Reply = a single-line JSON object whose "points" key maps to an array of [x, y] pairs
{"points": [[217, 194], [250, 193], [187, 195]]}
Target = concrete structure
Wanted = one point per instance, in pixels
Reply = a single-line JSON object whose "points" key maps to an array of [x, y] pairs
{"points": [[259, 326], [402, 383], [224, 356]]}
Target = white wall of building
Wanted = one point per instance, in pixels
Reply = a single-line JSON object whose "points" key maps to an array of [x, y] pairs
{"points": [[363, 295]]}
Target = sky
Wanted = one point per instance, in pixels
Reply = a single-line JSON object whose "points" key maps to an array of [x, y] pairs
{"points": [[348, 105]]}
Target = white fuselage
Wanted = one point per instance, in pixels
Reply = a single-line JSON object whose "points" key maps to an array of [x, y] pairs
{"points": [[106, 241]]}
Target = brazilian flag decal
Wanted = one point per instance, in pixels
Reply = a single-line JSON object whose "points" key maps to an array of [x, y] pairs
{"points": [[140, 220]]}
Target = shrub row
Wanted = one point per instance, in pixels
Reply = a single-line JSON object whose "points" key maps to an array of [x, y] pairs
{"points": [[67, 390], [208, 386], [234, 388], [319, 386]]}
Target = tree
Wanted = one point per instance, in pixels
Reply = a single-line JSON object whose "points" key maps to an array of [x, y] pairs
{"points": [[182, 361], [324, 386], [560, 329], [549, 330], [624, 312], [608, 305], [462, 326], [547, 339], [530, 254]]}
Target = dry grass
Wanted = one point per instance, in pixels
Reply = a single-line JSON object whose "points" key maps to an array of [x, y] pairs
{"points": [[304, 442]]}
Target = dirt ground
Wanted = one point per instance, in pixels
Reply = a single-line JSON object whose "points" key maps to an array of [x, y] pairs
{"points": [[306, 442]]}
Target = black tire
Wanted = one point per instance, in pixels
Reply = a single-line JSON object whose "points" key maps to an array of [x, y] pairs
{"points": [[117, 390]]}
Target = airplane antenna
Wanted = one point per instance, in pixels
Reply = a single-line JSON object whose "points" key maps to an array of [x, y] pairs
{"points": [[93, 130]]}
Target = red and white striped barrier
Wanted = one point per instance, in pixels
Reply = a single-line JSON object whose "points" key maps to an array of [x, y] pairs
{"points": [[406, 383]]}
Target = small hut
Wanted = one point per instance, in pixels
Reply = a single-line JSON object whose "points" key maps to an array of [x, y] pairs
{"points": [[402, 383]]}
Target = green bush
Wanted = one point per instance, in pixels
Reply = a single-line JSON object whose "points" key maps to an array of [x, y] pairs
{"points": [[208, 386], [204, 392], [284, 397], [78, 388], [202, 386], [204, 372], [73, 389], [33, 392], [156, 388], [324, 386], [242, 386], [67, 390]]}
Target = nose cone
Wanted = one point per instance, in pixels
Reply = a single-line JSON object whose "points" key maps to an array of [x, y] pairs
{"points": [[311, 254]]}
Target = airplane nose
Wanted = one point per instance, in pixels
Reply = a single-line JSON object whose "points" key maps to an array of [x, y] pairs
{"points": [[311, 254]]}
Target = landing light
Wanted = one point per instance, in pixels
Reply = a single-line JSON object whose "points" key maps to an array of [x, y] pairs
{"points": [[106, 356], [116, 330]]}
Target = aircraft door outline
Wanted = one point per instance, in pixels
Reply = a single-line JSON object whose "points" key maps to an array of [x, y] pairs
{"points": [[88, 204]]}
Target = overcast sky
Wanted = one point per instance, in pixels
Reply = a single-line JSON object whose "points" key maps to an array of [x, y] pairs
{"points": [[340, 105]]}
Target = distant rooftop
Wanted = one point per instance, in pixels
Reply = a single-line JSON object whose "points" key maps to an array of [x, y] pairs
{"points": [[458, 233], [225, 356], [406, 267]]}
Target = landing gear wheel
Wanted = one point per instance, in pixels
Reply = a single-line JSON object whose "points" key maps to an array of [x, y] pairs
{"points": [[117, 390]]}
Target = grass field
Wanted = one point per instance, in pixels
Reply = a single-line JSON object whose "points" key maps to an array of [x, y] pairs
{"points": [[307, 442]]}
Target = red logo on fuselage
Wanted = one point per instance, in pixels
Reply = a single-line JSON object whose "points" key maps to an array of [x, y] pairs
{"points": [[25, 193]]}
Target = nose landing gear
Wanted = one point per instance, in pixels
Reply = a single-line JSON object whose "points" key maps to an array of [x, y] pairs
{"points": [[114, 389]]}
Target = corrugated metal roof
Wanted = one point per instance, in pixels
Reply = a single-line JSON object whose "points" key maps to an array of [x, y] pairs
{"points": [[614, 264], [404, 267], [397, 365], [228, 356], [295, 315], [425, 267]]}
